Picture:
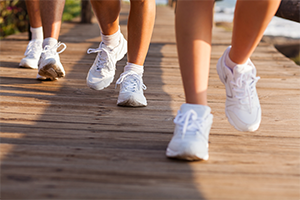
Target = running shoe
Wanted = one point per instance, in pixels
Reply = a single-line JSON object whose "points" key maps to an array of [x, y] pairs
{"points": [[49, 64], [102, 72], [190, 139], [242, 104], [131, 90], [32, 54]]}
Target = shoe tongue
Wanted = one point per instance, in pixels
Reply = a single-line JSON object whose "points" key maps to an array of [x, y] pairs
{"points": [[242, 69], [201, 110], [102, 45], [103, 54]]}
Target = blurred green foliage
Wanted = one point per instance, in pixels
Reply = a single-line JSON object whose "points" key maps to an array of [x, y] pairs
{"points": [[296, 59], [72, 9], [13, 17]]}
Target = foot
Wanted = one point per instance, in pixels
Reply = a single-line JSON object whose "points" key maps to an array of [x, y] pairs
{"points": [[102, 72], [242, 104], [131, 90], [49, 64], [32, 54], [190, 139]]}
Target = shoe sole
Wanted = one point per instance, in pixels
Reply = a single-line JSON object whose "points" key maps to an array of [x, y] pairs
{"points": [[46, 79], [255, 127], [51, 70], [95, 86], [182, 156], [131, 103]]}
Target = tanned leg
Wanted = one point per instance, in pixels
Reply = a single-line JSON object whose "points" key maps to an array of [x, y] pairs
{"points": [[249, 27], [193, 35], [51, 14]]}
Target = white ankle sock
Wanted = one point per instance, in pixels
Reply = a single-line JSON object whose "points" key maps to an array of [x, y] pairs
{"points": [[139, 69], [49, 41], [37, 33], [229, 63], [113, 40]]}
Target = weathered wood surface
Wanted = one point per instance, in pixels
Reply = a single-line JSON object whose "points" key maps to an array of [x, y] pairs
{"points": [[62, 140]]}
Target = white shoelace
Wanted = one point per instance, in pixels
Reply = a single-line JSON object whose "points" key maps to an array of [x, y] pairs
{"points": [[245, 87], [33, 47], [102, 60], [53, 50], [133, 81], [189, 121]]}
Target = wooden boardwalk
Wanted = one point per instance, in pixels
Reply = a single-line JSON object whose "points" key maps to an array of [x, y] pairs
{"points": [[62, 140]]}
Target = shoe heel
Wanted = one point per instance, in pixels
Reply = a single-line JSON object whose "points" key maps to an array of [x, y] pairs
{"points": [[220, 71]]}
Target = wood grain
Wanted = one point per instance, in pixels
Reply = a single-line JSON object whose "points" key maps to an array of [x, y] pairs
{"points": [[62, 140]]}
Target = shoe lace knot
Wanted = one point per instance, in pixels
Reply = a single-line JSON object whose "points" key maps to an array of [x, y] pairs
{"points": [[245, 87], [48, 50], [189, 121], [131, 81], [103, 58], [33, 47]]}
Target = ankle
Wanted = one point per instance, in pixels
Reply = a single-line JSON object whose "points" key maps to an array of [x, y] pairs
{"points": [[229, 63], [37, 33], [49, 41], [113, 40], [139, 69], [204, 109]]}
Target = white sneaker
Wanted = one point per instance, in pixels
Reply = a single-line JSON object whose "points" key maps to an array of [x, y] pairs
{"points": [[190, 139], [242, 104], [32, 54], [102, 72], [131, 90], [50, 65]]}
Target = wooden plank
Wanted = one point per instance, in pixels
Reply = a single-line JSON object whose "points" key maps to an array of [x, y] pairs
{"points": [[62, 140]]}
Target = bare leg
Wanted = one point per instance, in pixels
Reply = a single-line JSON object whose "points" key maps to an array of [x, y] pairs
{"points": [[107, 13], [50, 66], [193, 34], [140, 24], [140, 27], [249, 27], [33, 50], [33, 8], [51, 13]]}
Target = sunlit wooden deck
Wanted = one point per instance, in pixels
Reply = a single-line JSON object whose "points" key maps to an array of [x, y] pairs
{"points": [[62, 140]]}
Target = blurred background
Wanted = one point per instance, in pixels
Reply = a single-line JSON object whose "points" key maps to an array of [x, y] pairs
{"points": [[283, 34]]}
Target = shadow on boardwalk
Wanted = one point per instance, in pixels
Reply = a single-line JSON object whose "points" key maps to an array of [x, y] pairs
{"points": [[62, 140]]}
